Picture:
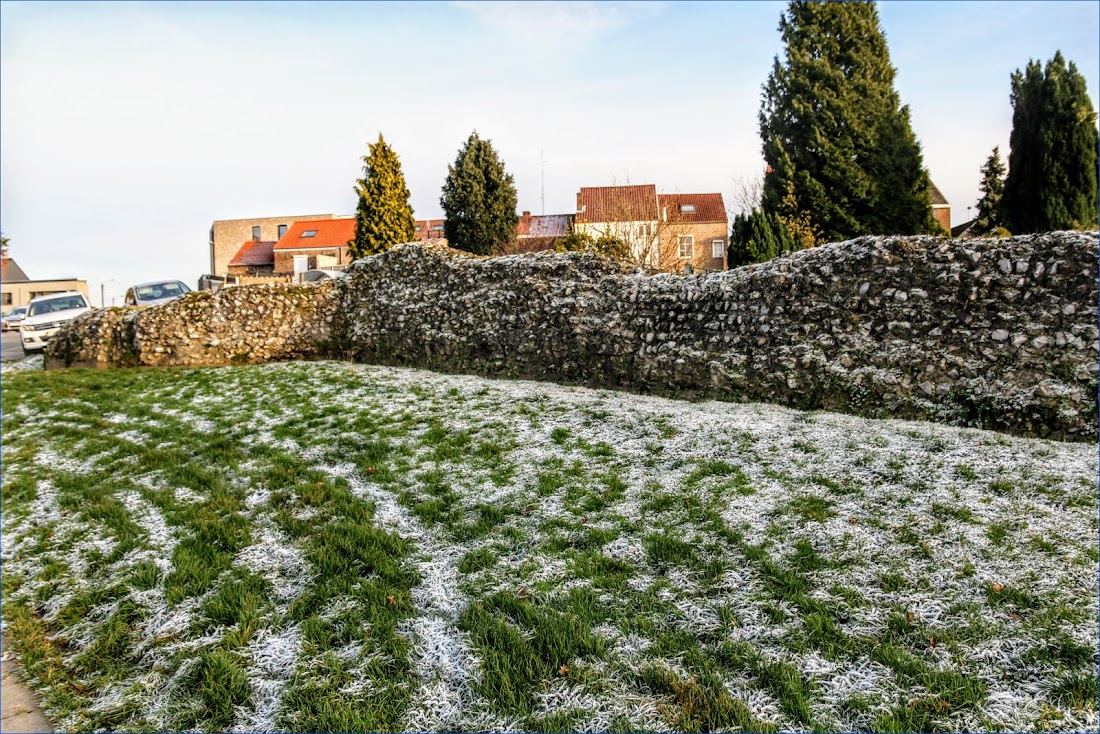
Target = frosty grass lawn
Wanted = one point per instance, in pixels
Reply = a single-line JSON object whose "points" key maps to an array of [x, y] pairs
{"points": [[326, 546]]}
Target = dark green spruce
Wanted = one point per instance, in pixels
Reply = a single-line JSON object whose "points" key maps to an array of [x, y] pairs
{"points": [[834, 130], [992, 188], [1052, 165], [757, 237], [479, 199]]}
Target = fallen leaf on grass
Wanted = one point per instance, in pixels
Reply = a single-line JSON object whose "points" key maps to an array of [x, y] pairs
{"points": [[522, 593], [563, 670], [998, 587], [392, 601]]}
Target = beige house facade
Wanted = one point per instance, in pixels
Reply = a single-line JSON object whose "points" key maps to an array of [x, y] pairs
{"points": [[20, 292]]}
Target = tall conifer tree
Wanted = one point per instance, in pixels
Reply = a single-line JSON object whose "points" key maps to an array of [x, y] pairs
{"points": [[835, 132], [1052, 173], [479, 199], [383, 217], [992, 187]]}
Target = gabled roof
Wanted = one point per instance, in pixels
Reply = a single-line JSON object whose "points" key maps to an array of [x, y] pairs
{"points": [[255, 253], [326, 233], [428, 229], [544, 225], [708, 208], [938, 199], [10, 271], [617, 204]]}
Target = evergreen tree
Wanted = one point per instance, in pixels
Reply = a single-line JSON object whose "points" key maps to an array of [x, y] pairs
{"points": [[383, 217], [479, 199], [1052, 164], [757, 237], [835, 132], [992, 187]]}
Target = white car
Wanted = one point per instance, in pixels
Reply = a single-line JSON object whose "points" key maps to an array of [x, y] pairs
{"points": [[12, 318], [46, 314], [160, 291]]}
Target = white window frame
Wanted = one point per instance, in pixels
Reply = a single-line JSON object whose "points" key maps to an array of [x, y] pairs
{"points": [[717, 249], [685, 239]]}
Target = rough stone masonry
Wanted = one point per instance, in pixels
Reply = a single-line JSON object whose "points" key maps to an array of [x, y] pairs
{"points": [[995, 333]]}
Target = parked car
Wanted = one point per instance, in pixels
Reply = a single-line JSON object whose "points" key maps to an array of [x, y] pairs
{"points": [[312, 276], [150, 294], [46, 314], [12, 318]]}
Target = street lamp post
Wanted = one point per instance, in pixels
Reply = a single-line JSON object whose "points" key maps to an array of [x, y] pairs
{"points": [[102, 299]]}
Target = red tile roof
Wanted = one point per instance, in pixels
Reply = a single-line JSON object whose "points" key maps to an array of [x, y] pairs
{"points": [[428, 229], [544, 225], [617, 204], [328, 233], [708, 207], [255, 253]]}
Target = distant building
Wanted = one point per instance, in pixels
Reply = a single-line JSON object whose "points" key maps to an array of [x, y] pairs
{"points": [[673, 232], [318, 243], [539, 232], [16, 289], [254, 258], [229, 236], [430, 230], [941, 210]]}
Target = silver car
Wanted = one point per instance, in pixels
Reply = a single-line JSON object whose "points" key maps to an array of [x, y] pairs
{"points": [[150, 294], [12, 318]]}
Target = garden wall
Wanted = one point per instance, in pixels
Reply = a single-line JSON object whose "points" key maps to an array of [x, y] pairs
{"points": [[248, 324], [998, 333]]}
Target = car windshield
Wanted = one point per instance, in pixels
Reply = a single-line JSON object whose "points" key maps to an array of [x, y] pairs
{"points": [[156, 291], [18, 311], [53, 305]]}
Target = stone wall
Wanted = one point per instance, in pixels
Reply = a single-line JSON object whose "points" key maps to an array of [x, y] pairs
{"points": [[248, 324], [998, 333]]}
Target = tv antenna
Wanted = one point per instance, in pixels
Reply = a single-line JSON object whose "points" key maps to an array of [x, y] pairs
{"points": [[542, 175]]}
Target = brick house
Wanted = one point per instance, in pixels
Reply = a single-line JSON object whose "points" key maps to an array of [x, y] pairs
{"points": [[228, 236], [941, 210], [694, 229], [666, 231], [539, 232], [254, 258], [323, 243], [626, 212], [430, 230]]}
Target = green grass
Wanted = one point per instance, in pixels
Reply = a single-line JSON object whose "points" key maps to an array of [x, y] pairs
{"points": [[588, 560]]}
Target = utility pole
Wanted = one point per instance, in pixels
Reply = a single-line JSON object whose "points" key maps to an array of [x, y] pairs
{"points": [[542, 174]]}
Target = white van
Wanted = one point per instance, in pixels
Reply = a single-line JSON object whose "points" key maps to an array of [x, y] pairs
{"points": [[46, 314]]}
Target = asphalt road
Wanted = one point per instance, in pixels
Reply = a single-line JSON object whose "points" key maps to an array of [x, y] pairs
{"points": [[10, 346]]}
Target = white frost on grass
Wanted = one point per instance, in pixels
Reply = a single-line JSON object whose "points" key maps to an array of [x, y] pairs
{"points": [[441, 653]]}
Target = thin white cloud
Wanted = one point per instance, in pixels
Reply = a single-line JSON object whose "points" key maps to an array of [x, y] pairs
{"points": [[541, 25]]}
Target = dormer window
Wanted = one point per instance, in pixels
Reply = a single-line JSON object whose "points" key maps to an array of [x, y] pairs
{"points": [[437, 228], [687, 208], [309, 233]]}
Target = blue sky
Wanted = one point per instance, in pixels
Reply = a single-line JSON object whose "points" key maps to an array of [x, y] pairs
{"points": [[125, 129]]}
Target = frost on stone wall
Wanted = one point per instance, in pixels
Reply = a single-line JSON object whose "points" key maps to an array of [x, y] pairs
{"points": [[997, 333]]}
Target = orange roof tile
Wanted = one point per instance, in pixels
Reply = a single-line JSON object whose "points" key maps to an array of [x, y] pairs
{"points": [[708, 207], [617, 204], [255, 253], [326, 233]]}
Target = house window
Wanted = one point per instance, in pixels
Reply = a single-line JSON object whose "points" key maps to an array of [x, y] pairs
{"points": [[437, 228], [255, 234], [717, 249], [309, 233], [686, 245], [6, 299], [687, 207], [282, 230]]}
